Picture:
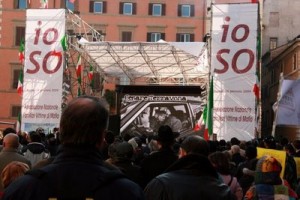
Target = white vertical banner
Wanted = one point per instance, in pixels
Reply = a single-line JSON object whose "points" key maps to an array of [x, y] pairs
{"points": [[233, 62], [43, 69], [288, 110]]}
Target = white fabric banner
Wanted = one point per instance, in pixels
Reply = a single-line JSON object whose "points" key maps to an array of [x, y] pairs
{"points": [[288, 110], [43, 69], [233, 61]]}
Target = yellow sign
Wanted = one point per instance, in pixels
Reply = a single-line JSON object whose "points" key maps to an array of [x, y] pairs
{"points": [[297, 160], [278, 154]]}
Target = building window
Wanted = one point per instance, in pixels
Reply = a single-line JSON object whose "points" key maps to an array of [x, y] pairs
{"points": [[127, 8], [272, 76], [98, 6], [186, 10], [273, 43], [294, 61], [15, 79], [20, 35], [274, 19], [126, 36], [20, 4], [157, 9], [154, 37], [15, 111], [185, 37]]}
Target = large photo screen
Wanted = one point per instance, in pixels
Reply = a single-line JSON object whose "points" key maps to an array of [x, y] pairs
{"points": [[143, 109]]}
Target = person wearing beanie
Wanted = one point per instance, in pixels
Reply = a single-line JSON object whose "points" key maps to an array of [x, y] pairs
{"points": [[268, 183]]}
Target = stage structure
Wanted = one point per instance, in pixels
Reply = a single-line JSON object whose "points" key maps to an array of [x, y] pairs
{"points": [[135, 63]]}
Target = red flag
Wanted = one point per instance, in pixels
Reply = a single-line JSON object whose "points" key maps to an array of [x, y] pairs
{"points": [[254, 1]]}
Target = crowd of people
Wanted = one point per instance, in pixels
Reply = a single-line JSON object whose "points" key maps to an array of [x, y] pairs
{"points": [[82, 160]]}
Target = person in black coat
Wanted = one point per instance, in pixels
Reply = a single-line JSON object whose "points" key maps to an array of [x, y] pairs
{"points": [[78, 170], [157, 162], [191, 177]]}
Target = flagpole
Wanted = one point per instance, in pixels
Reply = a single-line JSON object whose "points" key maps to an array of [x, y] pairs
{"points": [[210, 71], [277, 103]]}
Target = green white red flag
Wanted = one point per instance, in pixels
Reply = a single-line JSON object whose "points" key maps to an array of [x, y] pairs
{"points": [[44, 3], [79, 69], [256, 87], [91, 76], [208, 111], [21, 52], [18, 126], [20, 83], [64, 43]]}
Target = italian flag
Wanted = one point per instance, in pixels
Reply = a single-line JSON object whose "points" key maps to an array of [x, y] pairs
{"points": [[91, 76], [201, 122], [21, 52], [64, 43], [20, 83], [256, 87], [208, 111], [44, 3], [78, 69], [18, 126]]}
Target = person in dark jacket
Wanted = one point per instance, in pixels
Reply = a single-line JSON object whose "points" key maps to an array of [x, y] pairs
{"points": [[157, 162], [191, 177], [78, 171], [121, 153]]}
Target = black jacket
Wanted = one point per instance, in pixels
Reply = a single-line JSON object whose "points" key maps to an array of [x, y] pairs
{"points": [[156, 163], [75, 173], [191, 177]]}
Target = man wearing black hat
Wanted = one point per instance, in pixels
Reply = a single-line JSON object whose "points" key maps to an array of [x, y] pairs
{"points": [[159, 161]]}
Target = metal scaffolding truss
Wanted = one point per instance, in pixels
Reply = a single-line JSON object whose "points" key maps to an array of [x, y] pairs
{"points": [[173, 63]]}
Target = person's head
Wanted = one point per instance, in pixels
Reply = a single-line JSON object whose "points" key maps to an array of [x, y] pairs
{"points": [[12, 171], [34, 137], [109, 137], [84, 121], [8, 130], [165, 136], [268, 171], [234, 141], [194, 144], [11, 140], [220, 161], [161, 115], [40, 131], [235, 149], [120, 151], [269, 142], [251, 152]]}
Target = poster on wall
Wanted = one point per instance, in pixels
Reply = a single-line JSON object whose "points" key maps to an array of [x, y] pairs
{"points": [[233, 61], [143, 109], [43, 69]]}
